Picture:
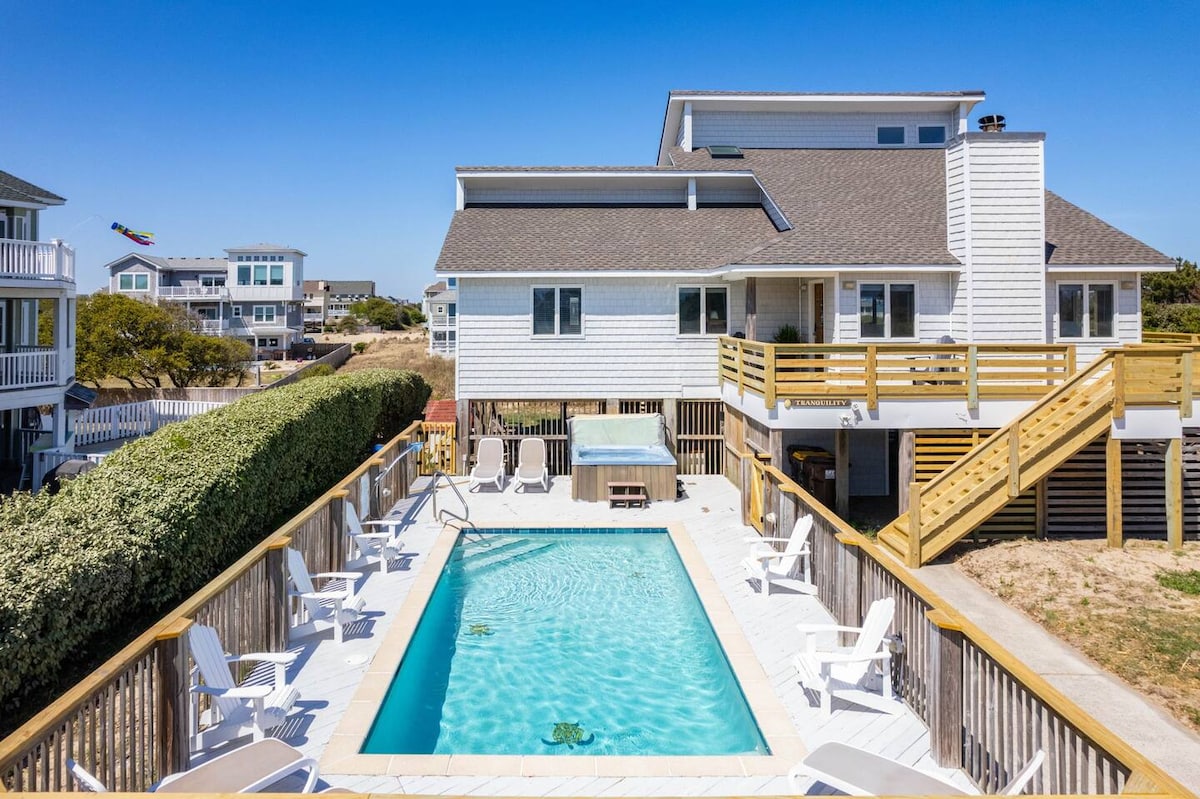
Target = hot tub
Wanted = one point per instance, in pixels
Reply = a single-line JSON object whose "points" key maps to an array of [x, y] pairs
{"points": [[628, 448]]}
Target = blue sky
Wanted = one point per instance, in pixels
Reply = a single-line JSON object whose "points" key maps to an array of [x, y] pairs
{"points": [[335, 127]]}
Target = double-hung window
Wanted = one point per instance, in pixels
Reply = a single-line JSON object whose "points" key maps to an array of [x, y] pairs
{"points": [[703, 310], [134, 281], [1086, 310], [887, 310], [260, 274], [243, 274], [264, 314], [276, 274], [557, 311]]}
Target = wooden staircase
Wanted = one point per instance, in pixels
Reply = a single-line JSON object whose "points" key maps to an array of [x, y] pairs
{"points": [[1016, 457]]}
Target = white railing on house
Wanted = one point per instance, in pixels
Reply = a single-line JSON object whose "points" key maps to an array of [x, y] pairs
{"points": [[37, 367], [268, 293], [214, 327], [37, 260], [113, 422], [193, 293]]}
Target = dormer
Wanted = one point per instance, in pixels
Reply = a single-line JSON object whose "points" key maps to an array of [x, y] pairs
{"points": [[790, 120]]}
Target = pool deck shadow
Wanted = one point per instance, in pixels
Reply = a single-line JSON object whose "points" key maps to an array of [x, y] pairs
{"points": [[334, 676]]}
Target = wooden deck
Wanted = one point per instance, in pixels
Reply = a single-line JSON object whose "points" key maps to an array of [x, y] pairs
{"points": [[328, 675]]}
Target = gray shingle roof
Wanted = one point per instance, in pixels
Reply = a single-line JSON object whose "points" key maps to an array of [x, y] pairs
{"points": [[200, 264], [1073, 236], [14, 189], [603, 239], [848, 206], [351, 287]]}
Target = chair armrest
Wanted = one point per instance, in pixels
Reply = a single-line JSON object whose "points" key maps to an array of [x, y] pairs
{"points": [[839, 657], [750, 539], [389, 523], [827, 628], [339, 575], [284, 658], [375, 536], [238, 692]]}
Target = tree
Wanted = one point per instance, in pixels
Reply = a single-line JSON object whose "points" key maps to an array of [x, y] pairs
{"points": [[348, 324], [1169, 299], [411, 316], [141, 343], [377, 311]]}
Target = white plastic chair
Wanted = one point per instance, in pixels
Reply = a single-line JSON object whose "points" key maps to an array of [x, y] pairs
{"points": [[489, 464], [768, 565], [373, 539], [531, 466], [335, 605], [850, 672]]}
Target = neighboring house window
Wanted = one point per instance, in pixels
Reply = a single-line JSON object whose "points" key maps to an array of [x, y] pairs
{"points": [[212, 280], [260, 274], [557, 311], [453, 312], [887, 310], [244, 275], [1086, 310], [933, 134], [237, 311], [4, 325], [277, 275], [134, 281], [439, 310], [451, 282], [889, 135], [703, 310], [264, 313]]}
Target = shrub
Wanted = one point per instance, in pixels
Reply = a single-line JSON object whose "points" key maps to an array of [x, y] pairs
{"points": [[161, 516], [788, 334], [316, 370], [360, 347]]}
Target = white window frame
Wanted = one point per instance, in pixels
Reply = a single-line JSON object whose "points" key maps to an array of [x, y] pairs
{"points": [[557, 308], [1085, 325], [133, 276], [887, 311], [264, 321], [4, 323], [704, 287], [903, 136], [942, 128], [3, 226], [237, 311]]}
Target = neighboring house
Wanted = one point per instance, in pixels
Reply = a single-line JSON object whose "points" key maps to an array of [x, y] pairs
{"points": [[255, 293], [440, 306], [860, 220], [37, 330], [327, 301]]}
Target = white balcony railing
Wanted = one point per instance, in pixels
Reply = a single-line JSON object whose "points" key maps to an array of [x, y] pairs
{"points": [[28, 369], [36, 260], [269, 293], [214, 327], [193, 293]]}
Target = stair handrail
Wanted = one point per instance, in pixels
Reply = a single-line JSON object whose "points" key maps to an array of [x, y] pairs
{"points": [[439, 515]]}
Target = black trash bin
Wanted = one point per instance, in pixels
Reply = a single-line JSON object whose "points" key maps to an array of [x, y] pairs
{"points": [[821, 476]]}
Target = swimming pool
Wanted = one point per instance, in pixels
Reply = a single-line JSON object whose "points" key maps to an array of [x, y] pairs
{"points": [[564, 641]]}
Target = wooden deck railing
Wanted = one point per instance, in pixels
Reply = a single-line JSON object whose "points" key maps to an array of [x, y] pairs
{"points": [[440, 452], [127, 722], [1163, 337], [987, 711], [870, 372]]}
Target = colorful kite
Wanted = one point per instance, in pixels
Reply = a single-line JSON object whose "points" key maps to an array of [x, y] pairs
{"points": [[139, 236]]}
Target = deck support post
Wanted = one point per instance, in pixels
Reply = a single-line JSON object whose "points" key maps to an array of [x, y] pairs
{"points": [[612, 406], [946, 713], [907, 468], [1041, 510], [462, 433], [775, 441], [841, 462], [751, 309], [277, 595], [1174, 489], [173, 746], [1014, 460], [1112, 492]]}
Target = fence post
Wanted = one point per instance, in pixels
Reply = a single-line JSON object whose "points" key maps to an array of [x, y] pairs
{"points": [[946, 696], [747, 484], [337, 530], [972, 377], [278, 605], [914, 526], [849, 585], [172, 744], [872, 378]]}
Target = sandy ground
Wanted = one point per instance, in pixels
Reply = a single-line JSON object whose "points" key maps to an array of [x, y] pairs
{"points": [[1108, 604], [401, 350]]}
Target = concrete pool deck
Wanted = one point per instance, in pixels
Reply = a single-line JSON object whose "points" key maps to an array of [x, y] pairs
{"points": [[331, 718]]}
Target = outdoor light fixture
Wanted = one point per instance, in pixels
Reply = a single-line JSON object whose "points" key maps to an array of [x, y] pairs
{"points": [[848, 285]]}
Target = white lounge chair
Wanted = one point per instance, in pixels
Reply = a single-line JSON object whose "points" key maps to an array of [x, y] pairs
{"points": [[236, 710], [335, 605], [373, 539], [851, 673], [531, 465], [246, 769], [861, 773], [489, 464], [768, 565]]}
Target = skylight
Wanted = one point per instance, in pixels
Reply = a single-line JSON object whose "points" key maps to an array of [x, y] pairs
{"points": [[724, 151]]}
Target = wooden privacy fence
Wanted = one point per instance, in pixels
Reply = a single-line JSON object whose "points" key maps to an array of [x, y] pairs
{"points": [[870, 372], [987, 712], [334, 359], [128, 721]]}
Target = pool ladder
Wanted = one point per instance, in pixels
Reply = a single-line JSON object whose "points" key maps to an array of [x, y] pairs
{"points": [[441, 514]]}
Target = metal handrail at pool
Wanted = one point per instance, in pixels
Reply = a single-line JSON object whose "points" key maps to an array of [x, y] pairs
{"points": [[127, 721], [987, 711]]}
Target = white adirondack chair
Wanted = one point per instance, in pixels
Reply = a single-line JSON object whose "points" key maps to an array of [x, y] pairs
{"points": [[489, 464], [373, 539], [851, 673], [236, 710], [531, 464], [335, 605], [768, 565], [858, 772]]}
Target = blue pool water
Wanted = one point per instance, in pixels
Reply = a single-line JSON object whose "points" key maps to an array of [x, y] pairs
{"points": [[528, 629]]}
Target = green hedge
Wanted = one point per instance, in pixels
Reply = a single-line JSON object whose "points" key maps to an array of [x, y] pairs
{"points": [[162, 516]]}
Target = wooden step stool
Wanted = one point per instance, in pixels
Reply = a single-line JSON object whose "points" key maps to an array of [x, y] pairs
{"points": [[627, 493]]}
